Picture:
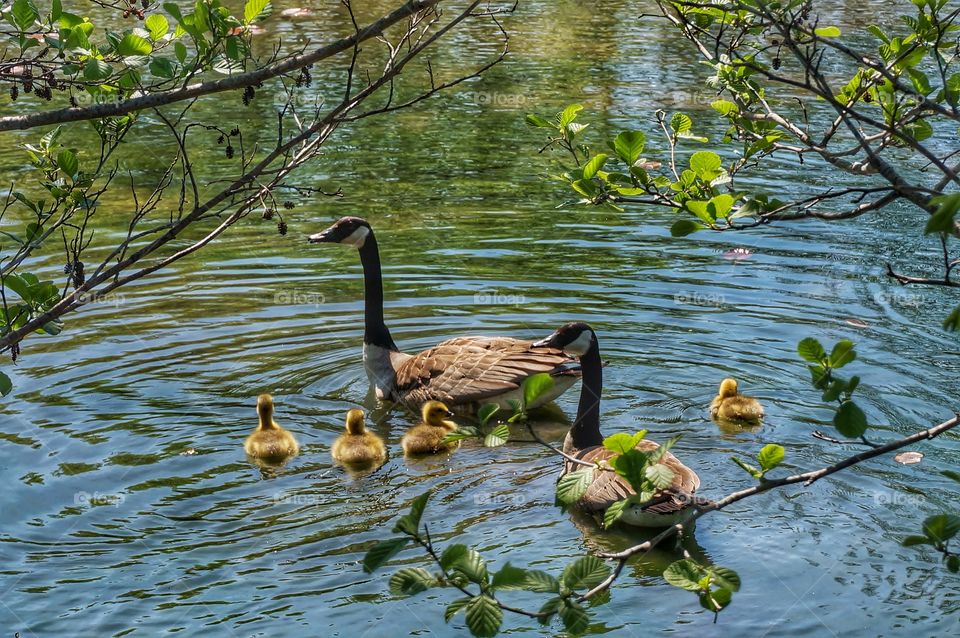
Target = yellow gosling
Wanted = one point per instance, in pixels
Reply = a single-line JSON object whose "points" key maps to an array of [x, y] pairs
{"points": [[269, 442], [356, 446], [427, 437], [731, 405]]}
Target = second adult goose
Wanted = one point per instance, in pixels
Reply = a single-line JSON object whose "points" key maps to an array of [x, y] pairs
{"points": [[585, 442], [465, 371]]}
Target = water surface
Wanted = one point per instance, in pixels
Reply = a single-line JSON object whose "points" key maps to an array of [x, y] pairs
{"points": [[130, 510]]}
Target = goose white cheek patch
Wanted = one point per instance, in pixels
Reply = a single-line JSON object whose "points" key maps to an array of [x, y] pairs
{"points": [[580, 345], [357, 238]]}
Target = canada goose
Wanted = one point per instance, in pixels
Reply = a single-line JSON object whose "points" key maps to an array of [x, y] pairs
{"points": [[427, 437], [585, 442], [269, 442], [357, 446], [730, 405], [465, 371]]}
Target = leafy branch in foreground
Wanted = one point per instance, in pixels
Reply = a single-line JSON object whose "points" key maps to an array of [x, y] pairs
{"points": [[168, 64], [465, 570], [881, 108], [938, 530]]}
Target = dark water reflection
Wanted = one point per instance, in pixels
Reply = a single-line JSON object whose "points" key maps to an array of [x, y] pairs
{"points": [[129, 508]]}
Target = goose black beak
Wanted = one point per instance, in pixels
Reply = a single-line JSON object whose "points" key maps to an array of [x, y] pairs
{"points": [[450, 413], [545, 343], [321, 238]]}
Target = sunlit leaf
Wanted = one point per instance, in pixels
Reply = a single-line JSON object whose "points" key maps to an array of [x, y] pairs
{"points": [[483, 617], [383, 551], [942, 527], [535, 387], [411, 580], [629, 145], [572, 486], [685, 574], [770, 456], [850, 420], [585, 573], [811, 350]]}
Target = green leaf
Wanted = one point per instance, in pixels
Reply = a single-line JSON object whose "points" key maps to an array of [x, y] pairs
{"points": [[842, 354], [473, 567], [157, 26], [486, 411], [549, 608], [162, 68], [498, 436], [535, 386], [811, 350], [725, 577], [380, 553], [484, 617], [716, 599], [67, 162], [685, 574], [572, 486], [452, 555], [950, 474], [941, 221], [614, 513], [724, 107], [568, 114], [705, 164], [942, 527], [953, 563], [631, 466], [720, 205], [455, 607], [411, 580], [181, 51], [575, 618], [133, 44], [252, 10], [410, 523], [595, 164], [680, 123], [95, 70], [621, 442], [952, 322], [536, 120], [700, 208], [770, 456], [540, 581], [910, 541], [683, 227], [828, 32], [6, 385], [629, 145], [659, 475], [23, 14], [850, 420], [585, 573], [509, 577]]}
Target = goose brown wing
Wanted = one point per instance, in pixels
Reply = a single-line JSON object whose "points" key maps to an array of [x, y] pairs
{"points": [[468, 369], [608, 487]]}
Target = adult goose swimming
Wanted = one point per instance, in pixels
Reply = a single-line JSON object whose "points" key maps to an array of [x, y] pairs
{"points": [[585, 442], [465, 371]]}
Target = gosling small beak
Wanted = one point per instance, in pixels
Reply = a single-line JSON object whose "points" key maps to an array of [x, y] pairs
{"points": [[450, 413], [321, 238], [545, 343]]}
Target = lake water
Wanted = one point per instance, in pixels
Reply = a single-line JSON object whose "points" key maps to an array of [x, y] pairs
{"points": [[109, 529]]}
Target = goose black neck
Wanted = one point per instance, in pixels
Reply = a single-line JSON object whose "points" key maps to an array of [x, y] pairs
{"points": [[586, 430], [375, 330]]}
